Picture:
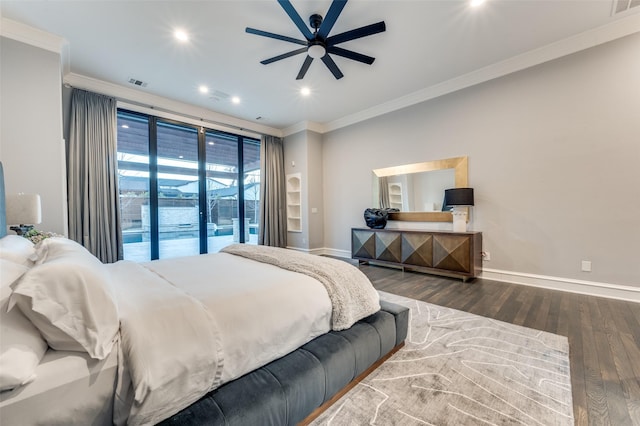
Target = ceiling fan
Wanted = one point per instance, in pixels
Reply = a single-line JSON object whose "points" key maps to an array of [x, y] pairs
{"points": [[319, 44]]}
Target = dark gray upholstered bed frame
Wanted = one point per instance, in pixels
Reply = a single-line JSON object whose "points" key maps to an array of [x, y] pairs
{"points": [[299, 386]]}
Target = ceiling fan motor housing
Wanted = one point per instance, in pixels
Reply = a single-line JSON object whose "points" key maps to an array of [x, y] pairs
{"points": [[315, 20]]}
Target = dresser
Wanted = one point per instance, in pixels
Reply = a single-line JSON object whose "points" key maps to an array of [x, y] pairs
{"points": [[457, 254]]}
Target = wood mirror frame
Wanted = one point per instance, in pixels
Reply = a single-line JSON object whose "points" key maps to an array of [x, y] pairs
{"points": [[460, 166]]}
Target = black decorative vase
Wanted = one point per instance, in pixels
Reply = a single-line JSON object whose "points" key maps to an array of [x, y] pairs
{"points": [[377, 218]]}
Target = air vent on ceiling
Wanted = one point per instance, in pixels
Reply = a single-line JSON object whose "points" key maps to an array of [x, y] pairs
{"points": [[217, 95], [620, 6], [137, 82]]}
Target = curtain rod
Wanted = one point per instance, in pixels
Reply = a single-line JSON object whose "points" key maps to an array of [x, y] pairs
{"points": [[199, 120], [195, 119]]}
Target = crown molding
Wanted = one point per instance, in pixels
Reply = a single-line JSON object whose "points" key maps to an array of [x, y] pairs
{"points": [[159, 103], [620, 28], [594, 37], [32, 36], [302, 126]]}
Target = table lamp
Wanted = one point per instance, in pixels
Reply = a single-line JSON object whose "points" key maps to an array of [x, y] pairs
{"points": [[459, 199], [23, 211]]}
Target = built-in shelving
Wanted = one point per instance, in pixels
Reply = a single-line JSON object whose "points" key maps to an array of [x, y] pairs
{"points": [[395, 196], [294, 213]]}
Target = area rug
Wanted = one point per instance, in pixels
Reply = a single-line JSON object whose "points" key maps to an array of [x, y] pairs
{"points": [[459, 368]]}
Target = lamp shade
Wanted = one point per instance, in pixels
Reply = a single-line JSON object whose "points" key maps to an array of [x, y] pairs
{"points": [[458, 197], [23, 209]]}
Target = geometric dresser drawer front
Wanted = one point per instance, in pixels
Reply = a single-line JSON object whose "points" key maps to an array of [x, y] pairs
{"points": [[363, 244], [451, 252], [417, 249], [388, 246]]}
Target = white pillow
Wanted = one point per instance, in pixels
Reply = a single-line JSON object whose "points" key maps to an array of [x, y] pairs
{"points": [[17, 249], [21, 345], [56, 247], [69, 299], [9, 273]]}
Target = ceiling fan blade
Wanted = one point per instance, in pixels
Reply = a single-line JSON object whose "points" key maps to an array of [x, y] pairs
{"points": [[276, 36], [304, 68], [332, 67], [295, 17], [349, 54], [367, 30], [332, 15], [284, 56]]}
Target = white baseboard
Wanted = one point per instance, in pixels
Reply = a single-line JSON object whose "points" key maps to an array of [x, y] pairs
{"points": [[318, 251], [591, 288], [335, 252]]}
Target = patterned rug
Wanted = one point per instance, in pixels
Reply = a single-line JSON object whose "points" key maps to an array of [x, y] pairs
{"points": [[459, 368]]}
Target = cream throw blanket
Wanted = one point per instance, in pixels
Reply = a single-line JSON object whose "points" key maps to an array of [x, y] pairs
{"points": [[350, 291]]}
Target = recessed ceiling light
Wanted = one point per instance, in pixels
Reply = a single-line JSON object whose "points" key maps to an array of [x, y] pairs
{"points": [[180, 156], [203, 89], [476, 3], [235, 100], [305, 91], [125, 126], [181, 35], [212, 143]]}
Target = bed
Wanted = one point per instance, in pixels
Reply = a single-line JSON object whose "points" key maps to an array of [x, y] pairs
{"points": [[252, 335]]}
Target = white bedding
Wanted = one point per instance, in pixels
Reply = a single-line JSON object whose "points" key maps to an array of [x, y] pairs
{"points": [[191, 324], [260, 309], [71, 388], [187, 325]]}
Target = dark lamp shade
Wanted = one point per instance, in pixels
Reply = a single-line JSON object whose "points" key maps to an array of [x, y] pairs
{"points": [[458, 197]]}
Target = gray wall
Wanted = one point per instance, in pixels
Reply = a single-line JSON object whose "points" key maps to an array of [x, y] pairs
{"points": [[315, 188], [31, 144], [295, 161], [305, 150], [554, 157]]}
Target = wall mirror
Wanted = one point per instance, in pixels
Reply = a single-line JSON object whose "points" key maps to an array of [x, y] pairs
{"points": [[417, 190]]}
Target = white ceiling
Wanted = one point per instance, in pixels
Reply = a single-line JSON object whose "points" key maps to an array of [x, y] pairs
{"points": [[426, 44]]}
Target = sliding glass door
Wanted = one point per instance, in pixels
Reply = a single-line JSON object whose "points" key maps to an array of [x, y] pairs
{"points": [[134, 185], [184, 189], [178, 186], [251, 181]]}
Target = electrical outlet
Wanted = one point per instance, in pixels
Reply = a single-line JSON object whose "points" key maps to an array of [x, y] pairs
{"points": [[486, 256], [586, 266]]}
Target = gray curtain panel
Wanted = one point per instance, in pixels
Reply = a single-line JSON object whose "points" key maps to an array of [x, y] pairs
{"points": [[273, 219], [92, 176], [383, 187]]}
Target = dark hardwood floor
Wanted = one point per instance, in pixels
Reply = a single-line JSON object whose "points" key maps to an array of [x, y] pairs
{"points": [[604, 334]]}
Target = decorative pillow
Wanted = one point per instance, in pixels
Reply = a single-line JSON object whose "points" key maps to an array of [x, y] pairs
{"points": [[67, 296], [21, 345], [17, 249]]}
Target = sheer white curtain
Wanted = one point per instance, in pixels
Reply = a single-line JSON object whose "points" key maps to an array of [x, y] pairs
{"points": [[92, 180], [273, 218]]}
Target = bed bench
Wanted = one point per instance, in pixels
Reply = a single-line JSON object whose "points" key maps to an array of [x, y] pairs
{"points": [[299, 386]]}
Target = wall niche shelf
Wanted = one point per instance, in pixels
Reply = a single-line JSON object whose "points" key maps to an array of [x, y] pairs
{"points": [[395, 196], [294, 213]]}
